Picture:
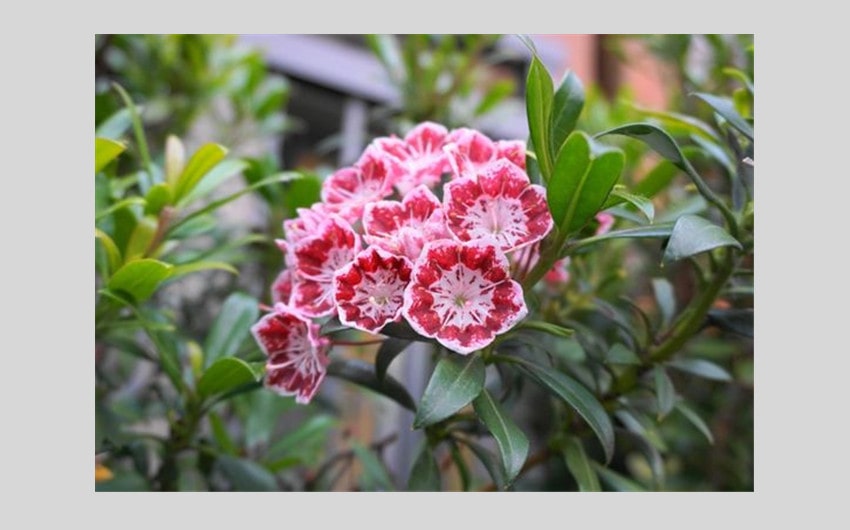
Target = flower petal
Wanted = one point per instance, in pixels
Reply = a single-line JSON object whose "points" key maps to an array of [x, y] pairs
{"points": [[419, 158], [348, 190], [404, 227], [282, 287]]}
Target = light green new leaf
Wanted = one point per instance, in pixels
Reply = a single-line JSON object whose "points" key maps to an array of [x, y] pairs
{"points": [[220, 173], [692, 235], [580, 466], [615, 480], [105, 151], [666, 299], [204, 159], [230, 328], [196, 266], [513, 445], [456, 381], [113, 255], [140, 278], [157, 198], [225, 375]]}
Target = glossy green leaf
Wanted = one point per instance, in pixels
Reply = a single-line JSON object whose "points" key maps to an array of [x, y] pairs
{"points": [[389, 350], [654, 137], [665, 394], [113, 255], [231, 327], [310, 434], [197, 266], [692, 235], [375, 477], [616, 481], [204, 159], [157, 198], [567, 103], [363, 374], [657, 179], [571, 169], [538, 102], [681, 124], [456, 381], [139, 278], [105, 151], [580, 466], [579, 398], [695, 420], [211, 181], [620, 354], [642, 204], [738, 321], [513, 445], [116, 125], [666, 299], [701, 368], [246, 475], [425, 474], [225, 375], [726, 109]]}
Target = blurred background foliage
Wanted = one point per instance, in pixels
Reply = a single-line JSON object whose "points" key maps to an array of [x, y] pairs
{"points": [[200, 156]]}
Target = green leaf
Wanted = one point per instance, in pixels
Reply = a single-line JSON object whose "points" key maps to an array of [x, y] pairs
{"points": [[302, 192], [311, 434], [225, 375], [513, 445], [666, 299], [389, 350], [658, 231], [425, 474], [493, 466], [139, 278], [566, 108], [546, 327], [245, 475], [204, 159], [456, 381], [105, 151], [738, 321], [665, 394], [620, 354], [130, 201], [375, 477], [222, 437], [116, 125], [138, 246], [696, 421], [495, 94], [654, 137], [213, 179], [692, 235], [538, 104], [657, 179], [571, 168], [157, 198], [363, 374], [643, 204], [113, 255], [681, 124], [578, 397], [701, 368], [230, 328], [615, 480], [386, 48], [726, 109], [196, 266], [580, 466]]}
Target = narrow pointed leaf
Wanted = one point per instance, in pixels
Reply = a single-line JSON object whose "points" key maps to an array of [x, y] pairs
{"points": [[657, 179], [616, 481], [696, 421], [113, 255], [231, 327], [219, 173], [246, 475], [666, 299], [196, 266], [640, 202], [538, 103], [738, 321], [389, 350], [225, 375], [692, 235], [204, 159], [491, 463], [580, 466], [654, 137], [363, 374], [513, 445], [567, 103], [571, 167], [620, 354], [375, 477], [140, 278], [726, 108], [665, 394], [105, 151], [157, 198], [578, 397], [701, 368], [425, 474], [456, 381], [658, 231]]}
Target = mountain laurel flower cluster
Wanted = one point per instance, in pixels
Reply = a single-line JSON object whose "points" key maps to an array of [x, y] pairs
{"points": [[434, 229]]}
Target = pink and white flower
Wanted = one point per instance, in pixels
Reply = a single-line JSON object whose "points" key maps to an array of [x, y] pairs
{"points": [[282, 287], [462, 295], [316, 260], [469, 151], [606, 221], [297, 356], [420, 158], [348, 190], [403, 228], [501, 204], [369, 291], [305, 225]]}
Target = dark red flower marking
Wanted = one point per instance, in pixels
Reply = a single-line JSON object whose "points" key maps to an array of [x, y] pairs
{"points": [[348, 190], [419, 158], [470, 151]]}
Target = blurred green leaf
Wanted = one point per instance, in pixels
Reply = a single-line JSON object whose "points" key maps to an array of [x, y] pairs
{"points": [[386, 48], [246, 475], [726, 109], [225, 375], [666, 299], [113, 255], [738, 321], [513, 445], [305, 438], [105, 151], [139, 278], [567, 103], [616, 481], [620, 354], [425, 474], [657, 179], [117, 206], [196, 266], [580, 466], [538, 102], [213, 179], [231, 327], [579, 398], [491, 464], [546, 327], [642, 204], [363, 374], [495, 94], [665, 394], [695, 420], [204, 159], [693, 235], [701, 368], [654, 137], [222, 437], [375, 477], [116, 125], [389, 350], [157, 198], [681, 124], [302, 192], [456, 381]]}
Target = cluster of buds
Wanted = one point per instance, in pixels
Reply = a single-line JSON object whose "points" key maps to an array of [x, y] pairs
{"points": [[434, 229]]}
